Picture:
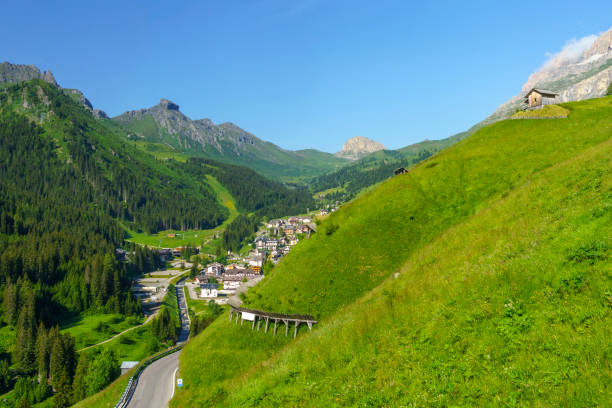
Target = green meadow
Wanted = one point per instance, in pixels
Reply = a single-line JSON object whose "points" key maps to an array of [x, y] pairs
{"points": [[480, 278], [88, 330]]}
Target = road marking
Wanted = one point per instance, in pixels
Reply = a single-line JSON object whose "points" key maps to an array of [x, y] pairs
{"points": [[173, 383]]}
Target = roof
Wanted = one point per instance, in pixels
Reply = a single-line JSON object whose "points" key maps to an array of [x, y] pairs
{"points": [[126, 365], [217, 264], [209, 286], [541, 92]]}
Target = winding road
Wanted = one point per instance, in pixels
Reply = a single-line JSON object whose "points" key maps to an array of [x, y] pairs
{"points": [[156, 383]]}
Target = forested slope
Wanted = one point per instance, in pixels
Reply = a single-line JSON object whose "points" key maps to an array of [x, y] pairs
{"points": [[479, 278]]}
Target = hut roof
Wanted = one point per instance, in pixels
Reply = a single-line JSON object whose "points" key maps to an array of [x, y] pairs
{"points": [[541, 92]]}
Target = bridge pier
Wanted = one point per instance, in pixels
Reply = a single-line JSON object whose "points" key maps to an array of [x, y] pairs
{"points": [[296, 328], [297, 320]]}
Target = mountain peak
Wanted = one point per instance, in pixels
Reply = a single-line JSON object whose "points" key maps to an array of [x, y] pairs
{"points": [[168, 104], [359, 146]]}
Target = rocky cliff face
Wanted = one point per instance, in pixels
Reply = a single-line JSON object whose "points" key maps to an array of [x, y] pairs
{"points": [[359, 146], [574, 76], [18, 73]]}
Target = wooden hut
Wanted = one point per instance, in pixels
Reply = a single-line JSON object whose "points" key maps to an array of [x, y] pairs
{"points": [[536, 98], [399, 171]]}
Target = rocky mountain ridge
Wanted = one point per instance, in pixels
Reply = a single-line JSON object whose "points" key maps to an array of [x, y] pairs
{"points": [[164, 123], [13, 73], [574, 78], [10, 73], [358, 147]]}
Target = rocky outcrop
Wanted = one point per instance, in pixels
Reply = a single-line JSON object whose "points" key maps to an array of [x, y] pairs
{"points": [[574, 77], [18, 73], [97, 113], [359, 146]]}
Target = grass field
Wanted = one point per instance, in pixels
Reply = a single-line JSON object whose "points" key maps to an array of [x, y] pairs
{"points": [[481, 278], [546, 112], [90, 330]]}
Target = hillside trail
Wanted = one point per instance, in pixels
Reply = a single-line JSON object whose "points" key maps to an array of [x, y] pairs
{"points": [[120, 334]]}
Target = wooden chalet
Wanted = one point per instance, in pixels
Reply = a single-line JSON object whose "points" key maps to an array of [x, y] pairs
{"points": [[537, 98]]}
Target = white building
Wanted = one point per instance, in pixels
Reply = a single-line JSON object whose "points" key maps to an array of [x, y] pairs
{"points": [[215, 269], [208, 290]]}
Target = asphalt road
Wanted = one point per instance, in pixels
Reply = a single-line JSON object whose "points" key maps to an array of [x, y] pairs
{"points": [[156, 383]]}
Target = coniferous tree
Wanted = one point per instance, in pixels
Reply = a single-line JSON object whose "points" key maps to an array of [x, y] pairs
{"points": [[79, 385], [9, 303], [42, 352], [24, 350], [63, 392], [5, 376]]}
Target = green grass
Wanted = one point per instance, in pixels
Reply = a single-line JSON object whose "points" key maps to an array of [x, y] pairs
{"points": [[546, 112], [500, 244], [92, 329], [108, 397]]}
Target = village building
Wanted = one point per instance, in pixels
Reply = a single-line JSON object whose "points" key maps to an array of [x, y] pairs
{"points": [[537, 98], [256, 260], [293, 241], [209, 290], [260, 242], [215, 269], [165, 254], [231, 282], [200, 279], [232, 268], [271, 244]]}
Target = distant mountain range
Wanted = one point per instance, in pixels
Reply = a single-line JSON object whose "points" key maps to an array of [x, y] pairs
{"points": [[164, 123]]}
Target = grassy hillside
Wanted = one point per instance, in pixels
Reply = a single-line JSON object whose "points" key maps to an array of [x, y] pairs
{"points": [[480, 278]]}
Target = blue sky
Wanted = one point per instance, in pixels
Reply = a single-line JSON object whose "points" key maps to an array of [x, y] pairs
{"points": [[302, 73]]}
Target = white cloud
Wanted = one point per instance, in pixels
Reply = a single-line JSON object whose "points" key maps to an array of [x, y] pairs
{"points": [[571, 52]]}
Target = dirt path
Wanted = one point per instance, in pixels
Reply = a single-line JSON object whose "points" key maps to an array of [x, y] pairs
{"points": [[119, 334]]}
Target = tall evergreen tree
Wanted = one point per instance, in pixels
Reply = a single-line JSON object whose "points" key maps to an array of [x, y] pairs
{"points": [[42, 352], [79, 385], [9, 303], [24, 350]]}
